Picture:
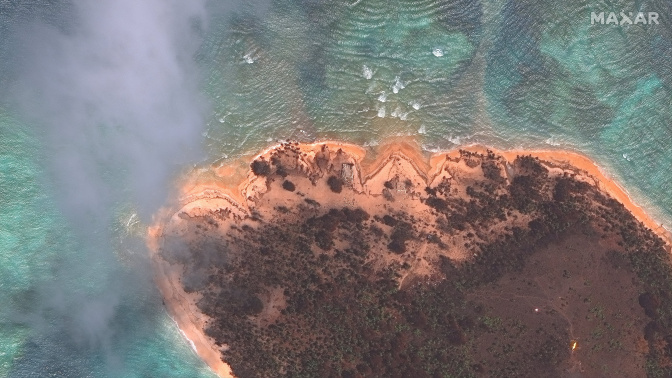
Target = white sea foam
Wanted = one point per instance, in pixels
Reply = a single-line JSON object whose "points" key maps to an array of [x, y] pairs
{"points": [[422, 130], [248, 58], [431, 149], [398, 85], [193, 346], [382, 97], [455, 140], [381, 112], [437, 52], [397, 113], [552, 141], [367, 72], [415, 105]]}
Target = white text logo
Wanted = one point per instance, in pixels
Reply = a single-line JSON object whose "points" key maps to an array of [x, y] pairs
{"points": [[612, 18]]}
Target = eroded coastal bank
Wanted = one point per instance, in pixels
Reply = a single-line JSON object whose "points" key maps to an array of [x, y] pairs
{"points": [[252, 254]]}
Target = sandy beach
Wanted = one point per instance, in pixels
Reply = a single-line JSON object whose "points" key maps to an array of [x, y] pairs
{"points": [[238, 189], [180, 307]]}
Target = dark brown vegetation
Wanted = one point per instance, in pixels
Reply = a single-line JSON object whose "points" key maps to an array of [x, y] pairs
{"points": [[299, 297], [260, 167], [335, 184], [288, 185]]}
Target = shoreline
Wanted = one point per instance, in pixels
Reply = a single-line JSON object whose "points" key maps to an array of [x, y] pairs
{"points": [[222, 185], [573, 160], [180, 309]]}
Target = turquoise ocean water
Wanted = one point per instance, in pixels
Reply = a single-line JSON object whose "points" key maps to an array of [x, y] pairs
{"points": [[511, 74]]}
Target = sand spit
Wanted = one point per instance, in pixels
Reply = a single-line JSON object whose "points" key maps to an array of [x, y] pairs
{"points": [[394, 173]]}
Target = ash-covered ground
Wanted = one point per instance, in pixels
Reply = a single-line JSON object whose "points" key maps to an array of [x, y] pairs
{"points": [[478, 268]]}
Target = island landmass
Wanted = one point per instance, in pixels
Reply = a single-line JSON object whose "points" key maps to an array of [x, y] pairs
{"points": [[331, 260]]}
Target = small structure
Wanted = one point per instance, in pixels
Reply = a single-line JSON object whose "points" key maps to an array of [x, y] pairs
{"points": [[348, 173]]}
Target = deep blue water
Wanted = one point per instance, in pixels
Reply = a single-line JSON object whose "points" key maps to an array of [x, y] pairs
{"points": [[511, 74]]}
